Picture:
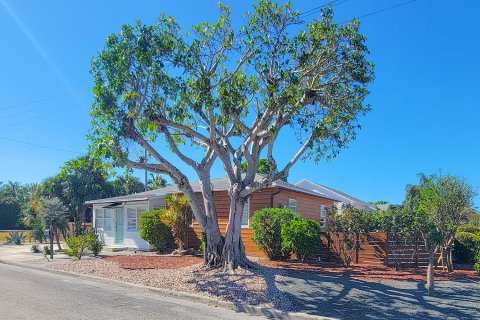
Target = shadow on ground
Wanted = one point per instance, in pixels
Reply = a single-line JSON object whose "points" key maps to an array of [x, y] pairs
{"points": [[346, 298], [343, 297]]}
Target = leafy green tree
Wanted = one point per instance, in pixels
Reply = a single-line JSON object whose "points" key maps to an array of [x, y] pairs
{"points": [[227, 94], [438, 205], [127, 184], [80, 179], [351, 226]]}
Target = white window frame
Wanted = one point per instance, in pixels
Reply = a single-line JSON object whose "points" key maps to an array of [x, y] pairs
{"points": [[138, 211], [103, 219], [246, 207], [293, 207], [323, 214]]}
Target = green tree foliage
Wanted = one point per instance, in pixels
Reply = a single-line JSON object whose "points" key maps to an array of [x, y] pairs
{"points": [[466, 247], [266, 225], [179, 216], [438, 204], [156, 181], [263, 166], [301, 236], [229, 93], [154, 230], [351, 226], [126, 184], [10, 214]]}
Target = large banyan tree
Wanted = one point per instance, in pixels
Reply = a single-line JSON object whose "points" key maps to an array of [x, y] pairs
{"points": [[219, 93]]}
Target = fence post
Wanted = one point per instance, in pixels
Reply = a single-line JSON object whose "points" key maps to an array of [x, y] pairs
{"points": [[386, 249]]}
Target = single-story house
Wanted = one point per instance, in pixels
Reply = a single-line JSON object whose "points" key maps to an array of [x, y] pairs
{"points": [[341, 198], [116, 219]]}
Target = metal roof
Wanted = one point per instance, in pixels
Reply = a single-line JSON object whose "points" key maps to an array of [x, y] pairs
{"points": [[218, 184], [336, 194]]}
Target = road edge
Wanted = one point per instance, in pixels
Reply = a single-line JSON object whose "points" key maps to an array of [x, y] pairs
{"points": [[235, 306]]}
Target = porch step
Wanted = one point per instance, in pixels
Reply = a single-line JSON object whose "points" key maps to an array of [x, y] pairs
{"points": [[114, 249]]}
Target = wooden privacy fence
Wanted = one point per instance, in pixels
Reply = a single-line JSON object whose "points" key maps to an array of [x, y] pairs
{"points": [[378, 248]]}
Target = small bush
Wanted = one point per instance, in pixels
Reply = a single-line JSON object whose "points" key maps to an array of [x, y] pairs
{"points": [[301, 236], [35, 249], [154, 231], [470, 228], [16, 238], [38, 232], [267, 230], [476, 266], [78, 244], [46, 250], [95, 244], [466, 246]]}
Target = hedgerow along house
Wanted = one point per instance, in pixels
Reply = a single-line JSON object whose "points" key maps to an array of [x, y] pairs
{"points": [[116, 219]]}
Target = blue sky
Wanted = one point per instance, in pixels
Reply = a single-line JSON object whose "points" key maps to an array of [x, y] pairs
{"points": [[425, 97]]}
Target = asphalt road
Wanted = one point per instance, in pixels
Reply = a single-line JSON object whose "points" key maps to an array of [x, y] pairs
{"points": [[38, 295]]}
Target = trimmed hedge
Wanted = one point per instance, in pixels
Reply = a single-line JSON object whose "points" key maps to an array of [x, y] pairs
{"points": [[267, 231], [154, 231], [301, 236], [466, 247]]}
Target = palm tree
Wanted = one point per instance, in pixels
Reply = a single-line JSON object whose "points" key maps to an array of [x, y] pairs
{"points": [[156, 181], [54, 214]]}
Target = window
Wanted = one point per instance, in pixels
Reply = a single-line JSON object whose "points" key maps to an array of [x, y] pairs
{"points": [[132, 221], [292, 204], [323, 214], [246, 214], [103, 219], [132, 217]]}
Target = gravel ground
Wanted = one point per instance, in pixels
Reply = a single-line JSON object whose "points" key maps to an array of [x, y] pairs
{"points": [[252, 287], [347, 298]]}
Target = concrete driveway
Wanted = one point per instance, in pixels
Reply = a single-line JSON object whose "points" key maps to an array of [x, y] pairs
{"points": [[346, 298]]}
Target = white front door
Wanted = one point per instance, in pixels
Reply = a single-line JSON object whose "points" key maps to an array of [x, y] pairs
{"points": [[119, 223]]}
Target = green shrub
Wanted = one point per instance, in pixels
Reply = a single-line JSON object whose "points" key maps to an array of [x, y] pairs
{"points": [[16, 238], [267, 230], [470, 228], [38, 232], [95, 244], [154, 231], [78, 244], [301, 236], [476, 266], [46, 250], [466, 247], [35, 249]]}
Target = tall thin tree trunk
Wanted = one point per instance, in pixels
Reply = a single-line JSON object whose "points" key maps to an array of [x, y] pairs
{"points": [[430, 272], [57, 233]]}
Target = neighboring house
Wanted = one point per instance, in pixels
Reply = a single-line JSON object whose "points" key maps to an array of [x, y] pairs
{"points": [[116, 219], [340, 197]]}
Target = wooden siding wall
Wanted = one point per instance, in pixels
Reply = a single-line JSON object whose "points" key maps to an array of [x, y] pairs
{"points": [[308, 206], [377, 249]]}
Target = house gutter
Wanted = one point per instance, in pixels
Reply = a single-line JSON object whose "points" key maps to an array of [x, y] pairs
{"points": [[273, 195]]}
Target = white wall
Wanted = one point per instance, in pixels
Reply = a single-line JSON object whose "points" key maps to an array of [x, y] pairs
{"points": [[131, 237]]}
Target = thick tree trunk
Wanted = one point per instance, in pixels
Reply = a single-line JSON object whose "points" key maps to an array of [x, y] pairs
{"points": [[430, 273], [213, 255], [234, 255]]}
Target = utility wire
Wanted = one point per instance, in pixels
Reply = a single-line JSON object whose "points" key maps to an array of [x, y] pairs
{"points": [[39, 146], [33, 118], [381, 10], [33, 102], [316, 10]]}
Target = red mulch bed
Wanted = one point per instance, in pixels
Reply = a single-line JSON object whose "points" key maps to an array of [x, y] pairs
{"points": [[153, 262], [373, 273]]}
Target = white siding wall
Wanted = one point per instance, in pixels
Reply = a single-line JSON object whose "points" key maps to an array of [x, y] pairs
{"points": [[131, 237], [156, 204]]}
